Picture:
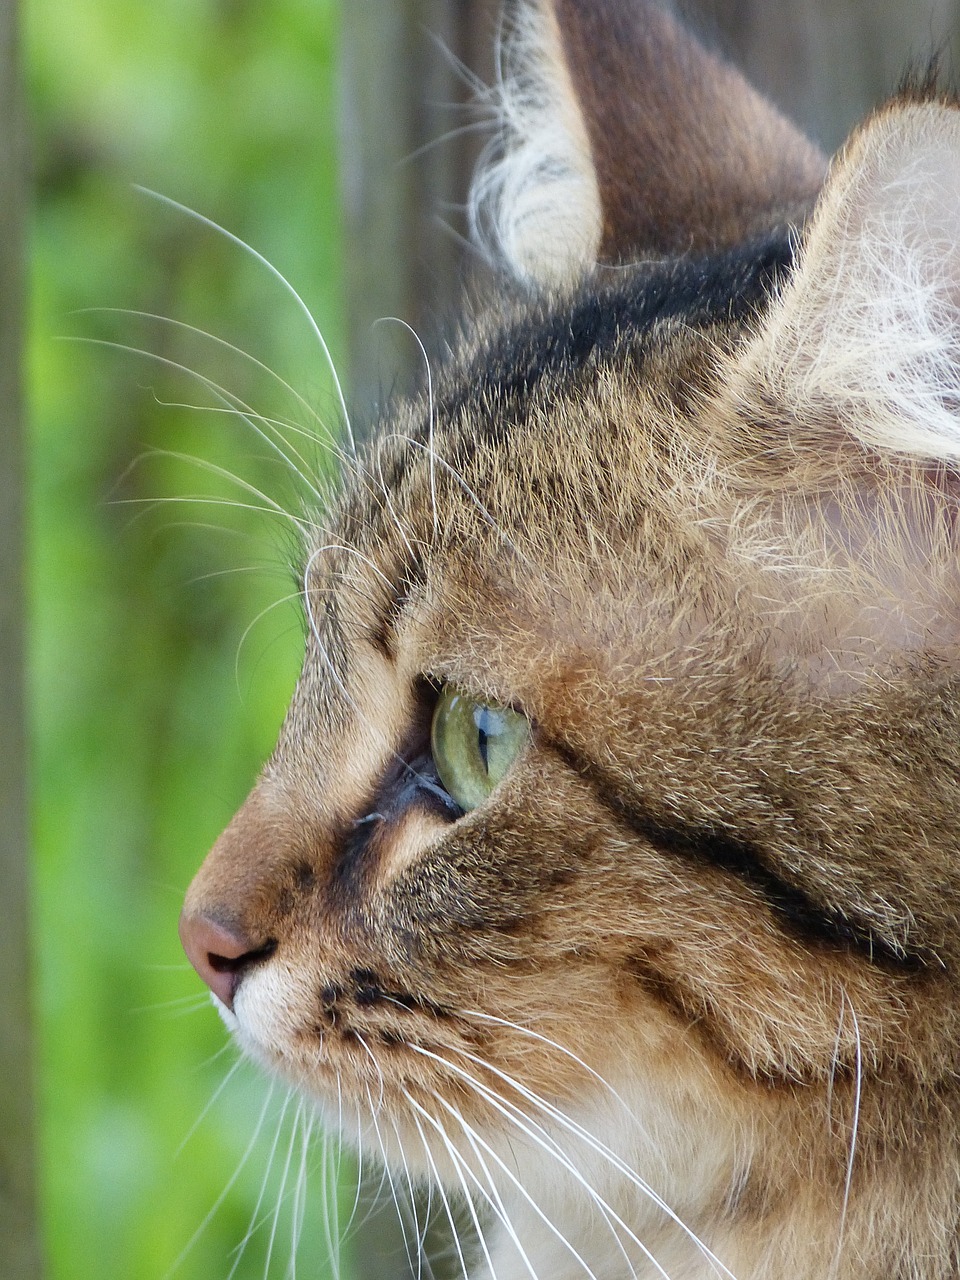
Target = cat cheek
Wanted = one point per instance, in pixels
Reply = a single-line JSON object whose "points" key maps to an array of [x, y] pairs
{"points": [[403, 843]]}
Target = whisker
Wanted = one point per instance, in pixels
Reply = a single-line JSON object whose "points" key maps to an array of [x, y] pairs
{"points": [[418, 444], [601, 1148], [567, 1052], [854, 1130], [553, 1148], [461, 1167], [300, 1194], [392, 509], [550, 1225], [419, 1232], [206, 1110], [282, 1189], [226, 398], [171, 1271], [521, 1120], [206, 500], [278, 275], [176, 1007], [275, 604], [245, 355], [455, 1234], [356, 1199], [390, 1181], [255, 1219]]}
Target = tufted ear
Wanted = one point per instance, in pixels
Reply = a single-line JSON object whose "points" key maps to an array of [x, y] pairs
{"points": [[622, 139], [867, 334]]}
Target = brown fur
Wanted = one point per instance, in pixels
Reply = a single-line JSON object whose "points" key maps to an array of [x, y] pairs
{"points": [[722, 878]]}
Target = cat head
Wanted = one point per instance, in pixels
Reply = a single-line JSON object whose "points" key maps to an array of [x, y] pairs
{"points": [[619, 788]]}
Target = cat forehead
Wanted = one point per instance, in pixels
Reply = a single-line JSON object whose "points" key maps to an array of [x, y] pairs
{"points": [[650, 320]]}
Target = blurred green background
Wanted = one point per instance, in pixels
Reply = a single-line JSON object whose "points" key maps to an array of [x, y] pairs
{"points": [[149, 713]]}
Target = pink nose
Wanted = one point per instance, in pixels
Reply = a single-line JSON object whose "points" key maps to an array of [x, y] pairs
{"points": [[218, 954]]}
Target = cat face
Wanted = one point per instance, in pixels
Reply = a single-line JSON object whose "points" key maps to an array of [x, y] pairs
{"points": [[609, 840]]}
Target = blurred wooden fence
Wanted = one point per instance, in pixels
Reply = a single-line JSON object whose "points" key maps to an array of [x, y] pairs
{"points": [[19, 1246]]}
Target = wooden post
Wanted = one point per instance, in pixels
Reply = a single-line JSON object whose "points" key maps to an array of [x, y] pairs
{"points": [[19, 1246], [408, 143]]}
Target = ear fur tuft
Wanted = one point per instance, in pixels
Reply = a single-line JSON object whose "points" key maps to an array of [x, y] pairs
{"points": [[534, 203]]}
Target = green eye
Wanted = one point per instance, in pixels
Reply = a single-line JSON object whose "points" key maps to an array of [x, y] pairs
{"points": [[474, 744]]}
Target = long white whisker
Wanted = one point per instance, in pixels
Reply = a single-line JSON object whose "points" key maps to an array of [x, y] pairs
{"points": [[854, 1130], [418, 444], [376, 1066], [275, 604], [278, 275], [548, 1223], [523, 1121], [489, 1193], [224, 473], [555, 1044], [179, 1005], [356, 1199], [223, 1194], [603, 1150], [206, 1110], [300, 1195], [548, 1143], [392, 509], [332, 1205], [443, 1197], [420, 1233], [255, 1219], [461, 1168], [282, 1190], [390, 1181], [245, 355], [227, 399], [206, 500], [281, 429]]}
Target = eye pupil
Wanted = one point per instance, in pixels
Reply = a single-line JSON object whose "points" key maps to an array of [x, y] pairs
{"points": [[482, 746]]}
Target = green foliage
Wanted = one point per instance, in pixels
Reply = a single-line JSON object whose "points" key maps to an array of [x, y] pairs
{"points": [[150, 717]]}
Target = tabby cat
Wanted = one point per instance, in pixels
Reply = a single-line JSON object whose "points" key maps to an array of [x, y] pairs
{"points": [[606, 869]]}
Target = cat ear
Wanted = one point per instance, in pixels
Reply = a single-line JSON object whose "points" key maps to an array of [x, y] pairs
{"points": [[867, 334], [623, 139]]}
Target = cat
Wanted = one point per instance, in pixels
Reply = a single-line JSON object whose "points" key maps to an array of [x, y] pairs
{"points": [[605, 871]]}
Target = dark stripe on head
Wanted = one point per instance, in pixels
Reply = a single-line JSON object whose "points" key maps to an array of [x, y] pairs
{"points": [[712, 845], [611, 311]]}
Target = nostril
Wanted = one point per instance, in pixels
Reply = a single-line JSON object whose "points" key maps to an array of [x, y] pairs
{"points": [[220, 954]]}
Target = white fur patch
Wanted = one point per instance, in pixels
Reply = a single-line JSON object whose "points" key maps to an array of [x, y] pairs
{"points": [[869, 330], [534, 201]]}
